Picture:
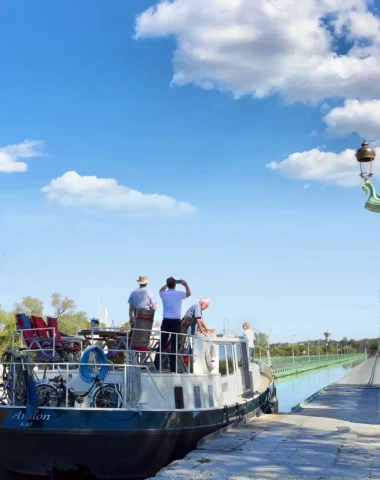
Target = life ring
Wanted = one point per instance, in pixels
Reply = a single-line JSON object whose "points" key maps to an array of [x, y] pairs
{"points": [[210, 357]]}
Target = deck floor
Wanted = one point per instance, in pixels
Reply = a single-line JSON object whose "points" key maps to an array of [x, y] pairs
{"points": [[334, 437]]}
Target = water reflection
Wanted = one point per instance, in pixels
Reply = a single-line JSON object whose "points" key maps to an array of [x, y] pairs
{"points": [[294, 389]]}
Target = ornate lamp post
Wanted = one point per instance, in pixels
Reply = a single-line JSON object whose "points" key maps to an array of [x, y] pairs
{"points": [[365, 156]]}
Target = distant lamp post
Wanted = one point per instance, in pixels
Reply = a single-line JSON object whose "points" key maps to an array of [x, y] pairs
{"points": [[269, 333], [225, 322], [293, 346], [319, 352], [308, 349], [327, 335]]}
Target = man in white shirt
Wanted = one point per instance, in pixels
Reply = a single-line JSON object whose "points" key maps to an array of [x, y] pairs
{"points": [[141, 298], [171, 323]]}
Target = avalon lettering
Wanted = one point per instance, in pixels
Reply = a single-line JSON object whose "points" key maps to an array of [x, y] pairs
{"points": [[35, 416]]}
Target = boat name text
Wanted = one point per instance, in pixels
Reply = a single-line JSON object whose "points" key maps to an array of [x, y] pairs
{"points": [[29, 420]]}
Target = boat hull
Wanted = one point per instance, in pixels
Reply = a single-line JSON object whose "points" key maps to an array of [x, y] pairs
{"points": [[109, 443]]}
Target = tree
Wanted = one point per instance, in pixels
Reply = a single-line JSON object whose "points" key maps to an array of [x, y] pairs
{"points": [[261, 340], [62, 305], [30, 306], [7, 326], [70, 321], [71, 324]]}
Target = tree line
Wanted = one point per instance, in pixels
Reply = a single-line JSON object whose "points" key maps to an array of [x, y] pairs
{"points": [[65, 309], [71, 320], [316, 347]]}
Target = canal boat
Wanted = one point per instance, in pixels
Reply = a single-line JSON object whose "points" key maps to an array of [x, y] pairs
{"points": [[117, 414]]}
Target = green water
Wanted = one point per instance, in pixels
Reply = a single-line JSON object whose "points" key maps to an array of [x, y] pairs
{"points": [[294, 389]]}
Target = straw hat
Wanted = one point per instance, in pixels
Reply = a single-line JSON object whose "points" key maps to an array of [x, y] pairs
{"points": [[142, 280]]}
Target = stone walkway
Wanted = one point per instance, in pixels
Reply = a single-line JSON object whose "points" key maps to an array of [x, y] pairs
{"points": [[334, 437]]}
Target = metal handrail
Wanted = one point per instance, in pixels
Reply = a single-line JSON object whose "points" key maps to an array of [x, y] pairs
{"points": [[288, 359], [155, 335], [267, 354], [65, 366]]}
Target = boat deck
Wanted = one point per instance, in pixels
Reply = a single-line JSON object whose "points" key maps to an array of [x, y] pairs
{"points": [[334, 437]]}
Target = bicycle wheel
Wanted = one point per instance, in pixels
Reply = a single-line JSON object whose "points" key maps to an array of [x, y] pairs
{"points": [[5, 395], [106, 396], [17, 377], [48, 395]]}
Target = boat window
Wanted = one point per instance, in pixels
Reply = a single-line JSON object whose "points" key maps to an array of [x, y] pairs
{"points": [[178, 397], [197, 397], [222, 360], [239, 355], [210, 396], [230, 359]]}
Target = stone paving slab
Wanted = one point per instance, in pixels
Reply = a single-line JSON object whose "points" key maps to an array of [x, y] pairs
{"points": [[334, 437]]}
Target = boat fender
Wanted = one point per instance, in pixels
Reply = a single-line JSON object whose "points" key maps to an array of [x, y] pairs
{"points": [[210, 356], [273, 402]]}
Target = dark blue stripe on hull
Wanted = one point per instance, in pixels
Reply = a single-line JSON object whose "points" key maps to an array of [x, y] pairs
{"points": [[109, 443]]}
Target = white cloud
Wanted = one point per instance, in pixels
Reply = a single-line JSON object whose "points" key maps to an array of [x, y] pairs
{"points": [[336, 168], [10, 154], [74, 190], [358, 116], [261, 47]]}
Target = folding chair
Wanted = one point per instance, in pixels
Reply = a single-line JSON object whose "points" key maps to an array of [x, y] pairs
{"points": [[139, 338], [27, 332], [71, 346], [33, 339]]}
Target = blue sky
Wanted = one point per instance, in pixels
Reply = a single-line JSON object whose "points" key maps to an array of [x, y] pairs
{"points": [[171, 106]]}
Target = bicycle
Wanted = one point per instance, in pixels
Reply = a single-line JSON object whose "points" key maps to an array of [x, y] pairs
{"points": [[54, 394], [16, 369]]}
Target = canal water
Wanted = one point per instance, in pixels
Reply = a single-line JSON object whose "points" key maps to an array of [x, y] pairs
{"points": [[293, 389]]}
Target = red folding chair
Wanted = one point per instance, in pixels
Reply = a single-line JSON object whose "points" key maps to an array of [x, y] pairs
{"points": [[69, 344], [139, 337], [35, 340]]}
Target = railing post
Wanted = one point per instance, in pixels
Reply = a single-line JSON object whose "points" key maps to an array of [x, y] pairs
{"points": [[14, 384], [125, 386], [67, 385]]}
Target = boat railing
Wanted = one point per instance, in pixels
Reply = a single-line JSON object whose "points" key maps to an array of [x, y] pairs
{"points": [[124, 343], [143, 344], [263, 355], [15, 389]]}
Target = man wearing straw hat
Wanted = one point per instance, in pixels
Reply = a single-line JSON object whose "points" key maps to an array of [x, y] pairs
{"points": [[141, 298]]}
